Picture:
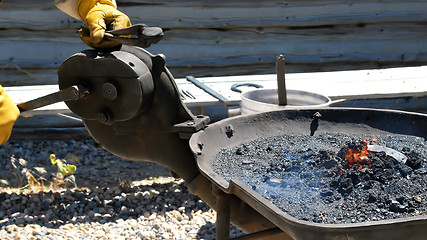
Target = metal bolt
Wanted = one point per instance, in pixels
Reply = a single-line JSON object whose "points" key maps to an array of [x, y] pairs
{"points": [[75, 92], [109, 91], [102, 118]]}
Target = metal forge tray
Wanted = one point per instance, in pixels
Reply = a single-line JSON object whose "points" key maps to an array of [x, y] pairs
{"points": [[235, 131]]}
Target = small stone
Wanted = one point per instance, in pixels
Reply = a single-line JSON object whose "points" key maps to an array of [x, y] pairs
{"points": [[28, 219], [99, 234], [143, 234], [19, 221], [124, 210], [152, 217], [35, 198], [166, 236], [372, 198], [417, 199], [14, 197], [395, 206], [181, 209], [38, 232], [167, 227]]}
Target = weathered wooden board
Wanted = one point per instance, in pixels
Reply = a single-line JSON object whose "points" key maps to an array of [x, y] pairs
{"points": [[214, 38], [394, 88], [356, 84]]}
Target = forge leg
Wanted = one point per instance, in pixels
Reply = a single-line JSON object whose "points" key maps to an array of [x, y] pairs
{"points": [[222, 214]]}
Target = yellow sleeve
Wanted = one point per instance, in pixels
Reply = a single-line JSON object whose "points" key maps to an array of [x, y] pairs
{"points": [[9, 112]]}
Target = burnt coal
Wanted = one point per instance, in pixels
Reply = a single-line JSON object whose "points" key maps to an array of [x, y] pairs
{"points": [[312, 178]]}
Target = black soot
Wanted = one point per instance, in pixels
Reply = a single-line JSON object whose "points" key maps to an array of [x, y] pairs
{"points": [[333, 177]]}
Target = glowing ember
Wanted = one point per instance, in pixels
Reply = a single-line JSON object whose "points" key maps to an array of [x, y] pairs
{"points": [[358, 156]]}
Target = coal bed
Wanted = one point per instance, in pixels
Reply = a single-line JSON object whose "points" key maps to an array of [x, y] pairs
{"points": [[333, 177]]}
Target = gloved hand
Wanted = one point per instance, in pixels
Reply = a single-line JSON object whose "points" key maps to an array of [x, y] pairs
{"points": [[98, 18], [9, 112]]}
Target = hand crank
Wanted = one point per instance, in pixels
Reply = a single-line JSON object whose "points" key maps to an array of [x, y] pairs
{"points": [[71, 93]]}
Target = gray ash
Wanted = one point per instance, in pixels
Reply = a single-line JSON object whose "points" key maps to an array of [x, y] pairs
{"points": [[310, 178]]}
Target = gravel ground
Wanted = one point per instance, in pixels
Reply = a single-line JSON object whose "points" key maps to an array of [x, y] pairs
{"points": [[115, 198]]}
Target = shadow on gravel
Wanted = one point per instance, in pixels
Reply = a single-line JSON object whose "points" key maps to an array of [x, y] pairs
{"points": [[151, 205], [110, 191]]}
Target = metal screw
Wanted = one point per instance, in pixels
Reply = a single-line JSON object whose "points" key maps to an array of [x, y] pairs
{"points": [[109, 91], [102, 118], [75, 92]]}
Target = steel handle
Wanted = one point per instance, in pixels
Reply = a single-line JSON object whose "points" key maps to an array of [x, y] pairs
{"points": [[71, 93], [235, 87]]}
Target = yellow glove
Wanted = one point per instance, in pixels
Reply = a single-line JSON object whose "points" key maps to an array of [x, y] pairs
{"points": [[9, 112], [99, 16]]}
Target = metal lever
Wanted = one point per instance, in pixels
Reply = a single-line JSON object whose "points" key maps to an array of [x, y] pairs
{"points": [[145, 35], [207, 89], [281, 86], [71, 93]]}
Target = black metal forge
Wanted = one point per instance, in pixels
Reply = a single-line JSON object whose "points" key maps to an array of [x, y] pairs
{"points": [[133, 109], [235, 131]]}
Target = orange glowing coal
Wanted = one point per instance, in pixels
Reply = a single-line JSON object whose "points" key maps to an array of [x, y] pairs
{"points": [[357, 156]]}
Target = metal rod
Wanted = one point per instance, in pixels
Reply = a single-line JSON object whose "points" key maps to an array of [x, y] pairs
{"points": [[222, 214], [67, 94], [69, 117], [260, 234], [207, 89], [281, 86]]}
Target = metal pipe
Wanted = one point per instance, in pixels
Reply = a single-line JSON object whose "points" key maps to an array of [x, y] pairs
{"points": [[70, 117], [281, 86]]}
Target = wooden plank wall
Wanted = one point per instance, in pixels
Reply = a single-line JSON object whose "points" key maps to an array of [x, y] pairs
{"points": [[235, 37]]}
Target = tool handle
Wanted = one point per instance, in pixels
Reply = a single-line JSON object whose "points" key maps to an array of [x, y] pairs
{"points": [[144, 36], [235, 87], [66, 94]]}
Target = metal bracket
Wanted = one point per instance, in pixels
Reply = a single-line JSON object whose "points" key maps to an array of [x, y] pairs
{"points": [[187, 128]]}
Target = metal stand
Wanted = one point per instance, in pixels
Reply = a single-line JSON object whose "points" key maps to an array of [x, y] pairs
{"points": [[223, 214], [223, 219]]}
